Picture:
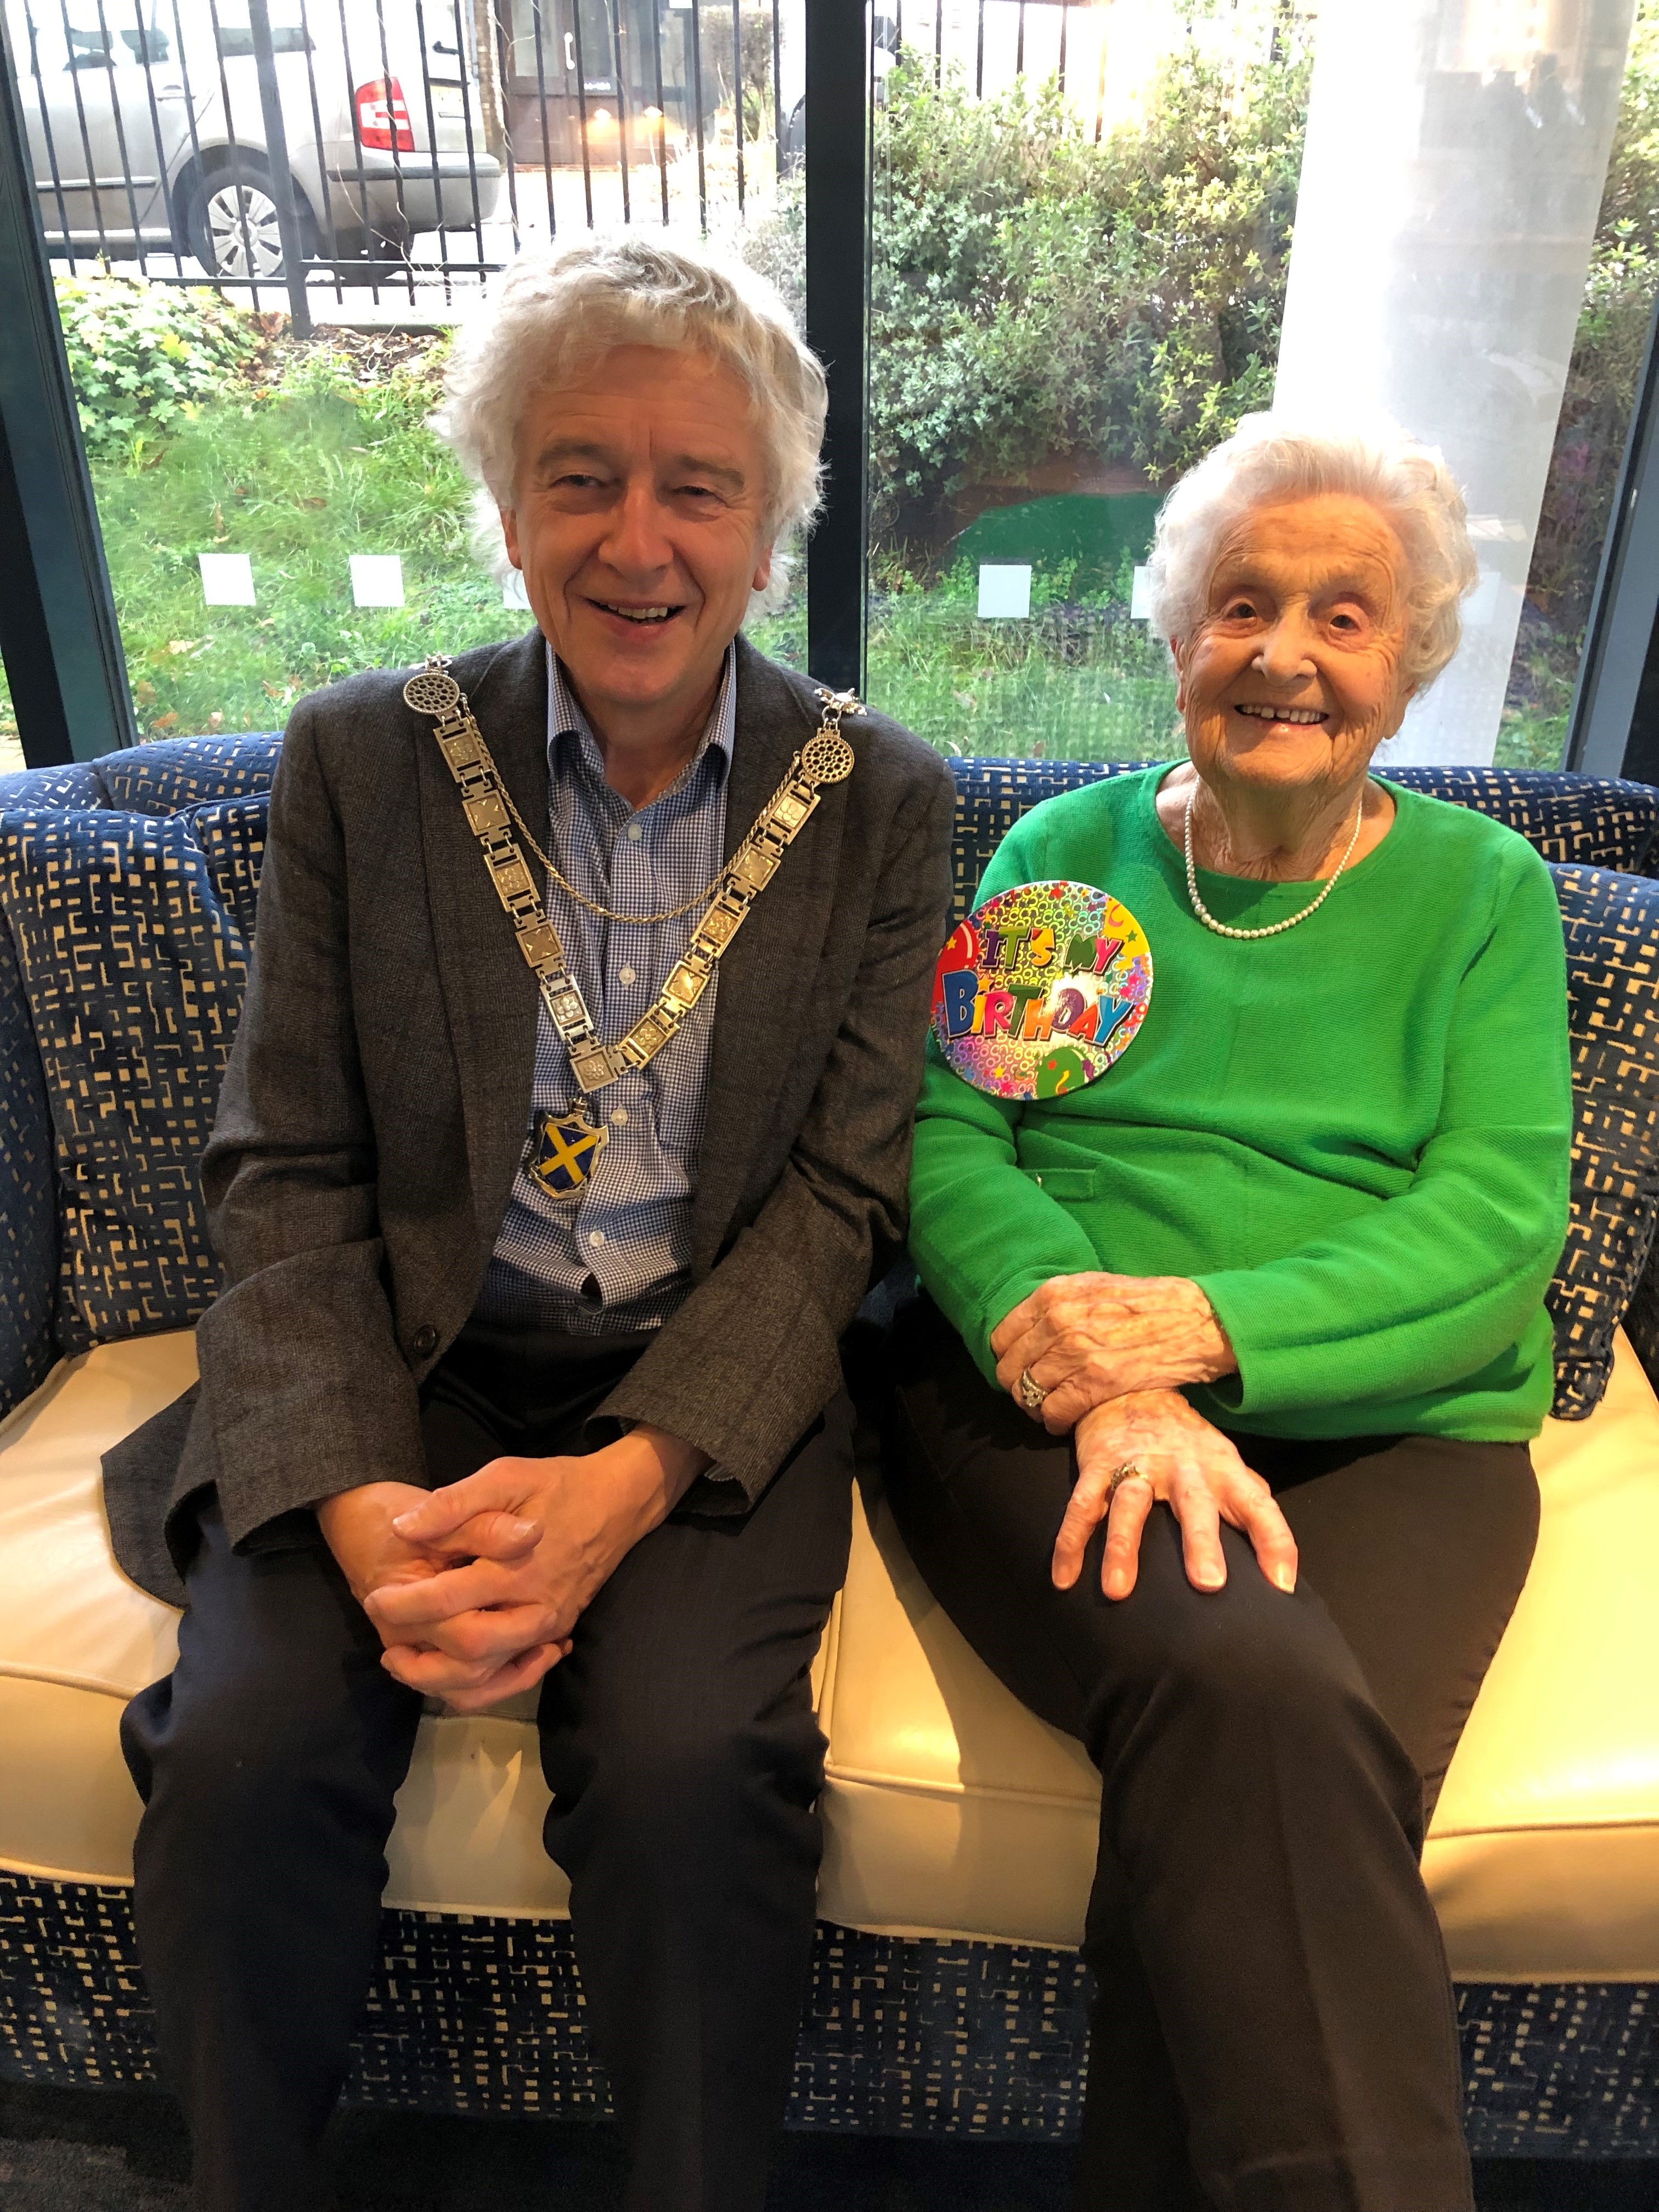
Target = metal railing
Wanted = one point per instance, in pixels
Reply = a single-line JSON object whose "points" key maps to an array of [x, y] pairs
{"points": [[291, 148], [303, 149]]}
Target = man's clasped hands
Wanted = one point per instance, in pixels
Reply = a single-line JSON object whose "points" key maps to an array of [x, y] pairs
{"points": [[476, 1588], [1112, 1353]]}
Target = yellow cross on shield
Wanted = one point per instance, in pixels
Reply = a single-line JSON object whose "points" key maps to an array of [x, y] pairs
{"points": [[562, 1152]]}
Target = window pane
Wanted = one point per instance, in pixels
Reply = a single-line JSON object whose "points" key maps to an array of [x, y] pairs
{"points": [[1083, 231], [1082, 224], [1590, 441], [276, 510]]}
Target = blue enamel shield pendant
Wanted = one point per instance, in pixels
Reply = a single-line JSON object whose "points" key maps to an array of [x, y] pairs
{"points": [[563, 1151]]}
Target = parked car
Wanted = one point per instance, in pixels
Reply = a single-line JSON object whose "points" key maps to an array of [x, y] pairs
{"points": [[147, 134]]}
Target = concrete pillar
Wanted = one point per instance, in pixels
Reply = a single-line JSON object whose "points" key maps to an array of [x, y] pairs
{"points": [[1456, 155]]}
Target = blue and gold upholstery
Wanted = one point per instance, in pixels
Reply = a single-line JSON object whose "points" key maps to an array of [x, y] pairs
{"points": [[1612, 926], [134, 975], [76, 783], [133, 925], [161, 778], [1573, 820], [918, 2037], [231, 833], [28, 1211], [175, 773]]}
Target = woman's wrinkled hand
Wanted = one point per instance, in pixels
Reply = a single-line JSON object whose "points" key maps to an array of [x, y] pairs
{"points": [[1189, 1465], [1086, 1339]]}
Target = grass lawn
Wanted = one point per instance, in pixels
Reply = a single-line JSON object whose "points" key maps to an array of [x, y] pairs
{"points": [[298, 480], [301, 478], [1075, 682]]}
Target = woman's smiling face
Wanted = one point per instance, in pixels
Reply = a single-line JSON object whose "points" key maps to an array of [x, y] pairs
{"points": [[1292, 677]]}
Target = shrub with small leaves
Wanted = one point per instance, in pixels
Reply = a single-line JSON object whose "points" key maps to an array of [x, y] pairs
{"points": [[1037, 290], [142, 356]]}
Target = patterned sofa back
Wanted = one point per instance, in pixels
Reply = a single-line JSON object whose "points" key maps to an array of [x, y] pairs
{"points": [[1579, 820], [163, 778], [1573, 820], [98, 1161]]}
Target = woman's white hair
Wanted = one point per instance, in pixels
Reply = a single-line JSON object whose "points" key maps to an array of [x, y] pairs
{"points": [[554, 312], [1269, 460]]}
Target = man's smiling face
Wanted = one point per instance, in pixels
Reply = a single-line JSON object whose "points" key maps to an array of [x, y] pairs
{"points": [[640, 504]]}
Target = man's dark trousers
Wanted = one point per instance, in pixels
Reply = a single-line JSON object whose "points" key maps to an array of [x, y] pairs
{"points": [[679, 1741]]}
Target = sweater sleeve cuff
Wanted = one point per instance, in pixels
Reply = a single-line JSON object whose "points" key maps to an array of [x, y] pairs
{"points": [[1267, 1374]]}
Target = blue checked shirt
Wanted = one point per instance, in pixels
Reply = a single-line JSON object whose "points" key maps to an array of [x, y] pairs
{"points": [[615, 1254]]}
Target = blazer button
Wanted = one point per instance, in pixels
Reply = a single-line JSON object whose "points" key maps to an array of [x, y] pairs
{"points": [[424, 1342]]}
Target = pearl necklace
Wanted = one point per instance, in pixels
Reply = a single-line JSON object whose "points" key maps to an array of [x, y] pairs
{"points": [[1273, 929]]}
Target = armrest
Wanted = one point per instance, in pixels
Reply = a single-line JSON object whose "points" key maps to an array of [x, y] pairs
{"points": [[28, 1212]]}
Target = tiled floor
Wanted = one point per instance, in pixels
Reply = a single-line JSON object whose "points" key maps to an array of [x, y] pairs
{"points": [[75, 2151]]}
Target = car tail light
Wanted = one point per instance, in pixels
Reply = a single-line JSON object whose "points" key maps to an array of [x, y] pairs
{"points": [[383, 116]]}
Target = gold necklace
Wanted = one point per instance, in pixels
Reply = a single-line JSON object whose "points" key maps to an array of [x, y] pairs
{"points": [[605, 912], [826, 757]]}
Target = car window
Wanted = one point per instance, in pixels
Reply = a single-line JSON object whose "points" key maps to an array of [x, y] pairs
{"points": [[288, 35], [100, 37]]}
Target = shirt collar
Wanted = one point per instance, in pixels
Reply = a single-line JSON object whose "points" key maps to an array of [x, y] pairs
{"points": [[569, 731]]}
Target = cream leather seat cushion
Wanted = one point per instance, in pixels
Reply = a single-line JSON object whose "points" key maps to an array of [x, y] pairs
{"points": [[949, 1809]]}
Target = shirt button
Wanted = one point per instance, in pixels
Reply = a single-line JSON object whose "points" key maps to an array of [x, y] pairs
{"points": [[637, 830], [596, 1237], [624, 975], [619, 1118]]}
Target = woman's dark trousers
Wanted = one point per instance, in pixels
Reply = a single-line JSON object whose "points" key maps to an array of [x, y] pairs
{"points": [[677, 1739], [1274, 2029]]}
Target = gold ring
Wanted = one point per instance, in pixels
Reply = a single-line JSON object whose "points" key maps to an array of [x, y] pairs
{"points": [[1126, 1471], [1031, 1392]]}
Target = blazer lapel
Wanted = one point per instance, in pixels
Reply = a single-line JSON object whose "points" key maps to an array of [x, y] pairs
{"points": [[490, 992], [773, 956]]}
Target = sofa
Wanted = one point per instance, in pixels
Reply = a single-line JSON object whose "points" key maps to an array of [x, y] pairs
{"points": [[947, 1994]]}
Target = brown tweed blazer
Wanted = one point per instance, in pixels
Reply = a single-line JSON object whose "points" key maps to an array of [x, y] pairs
{"points": [[375, 1105]]}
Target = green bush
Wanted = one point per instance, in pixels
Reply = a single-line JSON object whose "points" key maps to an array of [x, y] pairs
{"points": [[142, 355], [1034, 292]]}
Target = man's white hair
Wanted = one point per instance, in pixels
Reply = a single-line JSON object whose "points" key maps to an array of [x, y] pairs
{"points": [[1269, 460], [554, 312]]}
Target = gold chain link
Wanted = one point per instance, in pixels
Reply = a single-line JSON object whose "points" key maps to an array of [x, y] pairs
{"points": [[835, 704], [826, 757]]}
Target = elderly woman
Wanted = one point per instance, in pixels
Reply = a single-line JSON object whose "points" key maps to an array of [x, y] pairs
{"points": [[1212, 1429]]}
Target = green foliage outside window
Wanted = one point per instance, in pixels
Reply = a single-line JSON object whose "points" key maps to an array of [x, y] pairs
{"points": [[327, 455], [1036, 293], [143, 357], [1596, 409]]}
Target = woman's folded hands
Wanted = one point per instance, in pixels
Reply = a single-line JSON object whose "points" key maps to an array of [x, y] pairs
{"points": [[1111, 1353]]}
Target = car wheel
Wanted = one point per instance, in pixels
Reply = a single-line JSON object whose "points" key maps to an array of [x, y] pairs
{"points": [[232, 224]]}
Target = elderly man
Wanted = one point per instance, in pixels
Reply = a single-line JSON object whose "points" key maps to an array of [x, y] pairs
{"points": [[546, 1181]]}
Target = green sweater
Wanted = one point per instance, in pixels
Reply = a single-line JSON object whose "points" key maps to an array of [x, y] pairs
{"points": [[1354, 1136]]}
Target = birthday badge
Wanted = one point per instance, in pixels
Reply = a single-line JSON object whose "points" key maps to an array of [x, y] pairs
{"points": [[1041, 989]]}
